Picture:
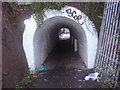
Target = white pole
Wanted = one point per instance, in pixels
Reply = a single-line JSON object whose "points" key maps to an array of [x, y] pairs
{"points": [[75, 45]]}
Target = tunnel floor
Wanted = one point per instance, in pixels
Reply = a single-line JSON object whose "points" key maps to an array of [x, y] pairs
{"points": [[64, 69], [64, 56]]}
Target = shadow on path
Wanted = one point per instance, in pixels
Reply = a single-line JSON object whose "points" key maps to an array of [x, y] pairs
{"points": [[64, 56], [64, 69]]}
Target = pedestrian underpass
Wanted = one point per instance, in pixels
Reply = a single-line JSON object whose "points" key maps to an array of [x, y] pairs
{"points": [[48, 35], [64, 56], [39, 41], [65, 52]]}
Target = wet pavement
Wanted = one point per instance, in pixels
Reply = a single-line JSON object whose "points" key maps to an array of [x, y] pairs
{"points": [[64, 69]]}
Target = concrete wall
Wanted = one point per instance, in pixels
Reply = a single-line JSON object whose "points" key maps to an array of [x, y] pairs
{"points": [[14, 63], [45, 37], [88, 27], [41, 41], [82, 47]]}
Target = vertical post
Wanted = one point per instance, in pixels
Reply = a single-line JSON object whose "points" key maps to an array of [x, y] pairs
{"points": [[75, 45]]}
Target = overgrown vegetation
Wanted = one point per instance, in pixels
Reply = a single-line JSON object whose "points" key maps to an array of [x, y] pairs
{"points": [[26, 81], [40, 7], [108, 71], [28, 78], [94, 10]]}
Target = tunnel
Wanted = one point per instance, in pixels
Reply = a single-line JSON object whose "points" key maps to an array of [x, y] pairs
{"points": [[46, 38], [40, 41]]}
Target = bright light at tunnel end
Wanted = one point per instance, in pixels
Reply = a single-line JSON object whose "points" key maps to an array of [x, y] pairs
{"points": [[64, 34]]}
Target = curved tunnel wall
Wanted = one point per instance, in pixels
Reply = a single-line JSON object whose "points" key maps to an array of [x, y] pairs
{"points": [[49, 30], [45, 38]]}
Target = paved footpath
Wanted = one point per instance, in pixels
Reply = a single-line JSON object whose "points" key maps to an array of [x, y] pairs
{"points": [[62, 78], [64, 69]]}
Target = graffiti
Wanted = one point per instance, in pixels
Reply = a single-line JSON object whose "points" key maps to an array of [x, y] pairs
{"points": [[75, 16]]}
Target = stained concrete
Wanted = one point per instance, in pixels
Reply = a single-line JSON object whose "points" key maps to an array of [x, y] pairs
{"points": [[14, 63]]}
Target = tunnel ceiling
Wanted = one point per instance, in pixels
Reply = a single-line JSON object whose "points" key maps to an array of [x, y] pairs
{"points": [[54, 24]]}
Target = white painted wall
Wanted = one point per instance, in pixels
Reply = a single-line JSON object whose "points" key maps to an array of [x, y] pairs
{"points": [[43, 42], [88, 27], [30, 28]]}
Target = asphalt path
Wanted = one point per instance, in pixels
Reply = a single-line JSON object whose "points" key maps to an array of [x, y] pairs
{"points": [[64, 69]]}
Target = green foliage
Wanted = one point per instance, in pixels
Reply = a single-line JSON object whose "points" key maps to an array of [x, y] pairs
{"points": [[94, 10], [26, 81], [40, 7]]}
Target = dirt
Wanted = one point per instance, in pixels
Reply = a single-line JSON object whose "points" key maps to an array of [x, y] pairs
{"points": [[64, 69], [14, 63], [64, 78]]}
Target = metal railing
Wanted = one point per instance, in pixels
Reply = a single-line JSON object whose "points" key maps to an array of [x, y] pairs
{"points": [[107, 59]]}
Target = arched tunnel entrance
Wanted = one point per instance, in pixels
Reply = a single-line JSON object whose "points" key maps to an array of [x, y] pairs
{"points": [[39, 41], [46, 39]]}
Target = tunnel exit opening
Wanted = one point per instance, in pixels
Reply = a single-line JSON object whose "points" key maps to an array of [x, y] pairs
{"points": [[65, 41], [64, 34]]}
